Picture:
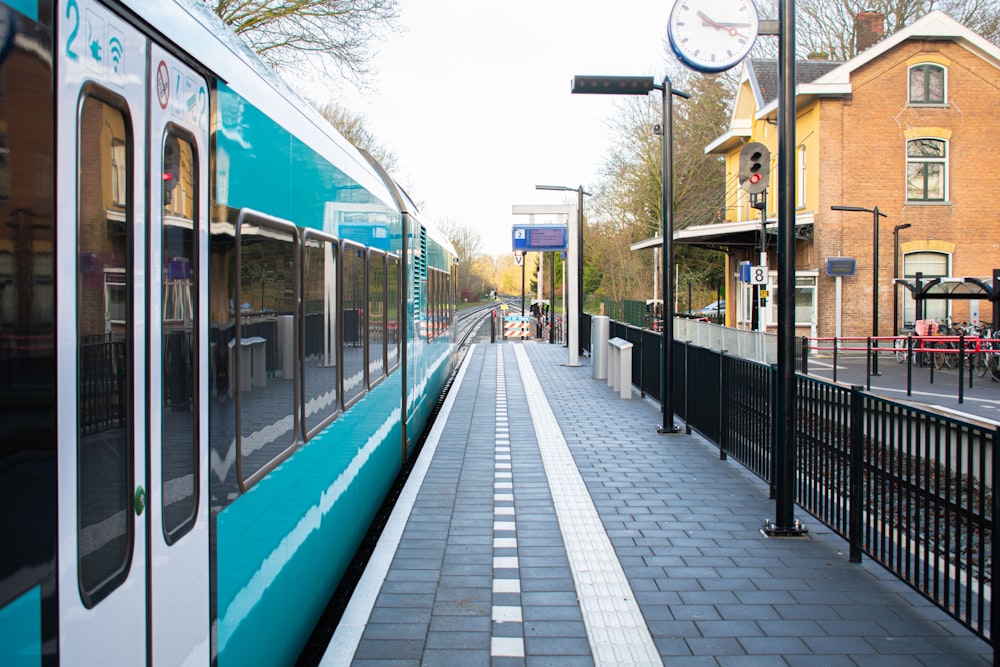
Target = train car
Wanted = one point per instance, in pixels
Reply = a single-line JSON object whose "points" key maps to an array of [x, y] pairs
{"points": [[222, 329]]}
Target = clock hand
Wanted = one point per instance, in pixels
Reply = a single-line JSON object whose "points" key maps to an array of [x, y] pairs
{"points": [[733, 32]]}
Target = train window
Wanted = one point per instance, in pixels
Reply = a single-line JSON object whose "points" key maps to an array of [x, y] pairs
{"points": [[392, 312], [319, 307], [262, 358], [431, 324], [376, 316], [178, 407], [352, 321], [104, 325], [434, 302]]}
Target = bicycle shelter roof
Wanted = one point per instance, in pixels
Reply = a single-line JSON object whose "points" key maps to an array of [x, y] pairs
{"points": [[952, 288], [956, 288]]}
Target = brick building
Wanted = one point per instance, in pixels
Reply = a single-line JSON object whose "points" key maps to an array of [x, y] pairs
{"points": [[905, 126]]}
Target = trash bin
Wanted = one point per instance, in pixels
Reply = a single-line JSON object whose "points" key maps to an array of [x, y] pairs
{"points": [[600, 327]]}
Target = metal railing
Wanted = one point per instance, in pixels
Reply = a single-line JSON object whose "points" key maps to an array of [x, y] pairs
{"points": [[910, 488], [103, 394]]}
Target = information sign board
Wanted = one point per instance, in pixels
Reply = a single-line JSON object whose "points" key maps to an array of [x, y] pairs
{"points": [[539, 238]]}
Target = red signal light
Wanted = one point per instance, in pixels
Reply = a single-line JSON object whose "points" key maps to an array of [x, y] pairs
{"points": [[754, 178]]}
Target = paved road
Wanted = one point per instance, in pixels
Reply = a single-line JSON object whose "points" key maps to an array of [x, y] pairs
{"points": [[939, 389]]}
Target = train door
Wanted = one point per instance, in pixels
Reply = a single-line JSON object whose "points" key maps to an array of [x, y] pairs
{"points": [[132, 528], [178, 375]]}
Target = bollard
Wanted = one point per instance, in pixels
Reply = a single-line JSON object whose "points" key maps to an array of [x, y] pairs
{"points": [[600, 326]]}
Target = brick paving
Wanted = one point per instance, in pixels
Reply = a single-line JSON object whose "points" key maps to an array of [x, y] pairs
{"points": [[685, 527]]}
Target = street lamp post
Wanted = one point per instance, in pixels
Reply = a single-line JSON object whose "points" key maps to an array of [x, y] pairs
{"points": [[876, 214], [643, 85], [895, 274]]}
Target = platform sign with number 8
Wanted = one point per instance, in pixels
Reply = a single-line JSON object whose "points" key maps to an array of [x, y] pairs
{"points": [[758, 275]]}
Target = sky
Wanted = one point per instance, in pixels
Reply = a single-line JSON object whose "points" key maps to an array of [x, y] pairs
{"points": [[474, 100]]}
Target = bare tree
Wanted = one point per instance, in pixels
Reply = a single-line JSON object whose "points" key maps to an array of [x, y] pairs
{"points": [[628, 204], [354, 129], [828, 27], [466, 240], [305, 35]]}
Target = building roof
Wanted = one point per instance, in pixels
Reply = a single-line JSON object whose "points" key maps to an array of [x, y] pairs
{"points": [[763, 76], [933, 26]]}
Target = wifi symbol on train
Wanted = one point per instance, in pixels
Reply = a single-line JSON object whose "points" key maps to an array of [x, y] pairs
{"points": [[115, 47]]}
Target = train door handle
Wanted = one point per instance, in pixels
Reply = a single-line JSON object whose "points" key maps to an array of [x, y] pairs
{"points": [[140, 500]]}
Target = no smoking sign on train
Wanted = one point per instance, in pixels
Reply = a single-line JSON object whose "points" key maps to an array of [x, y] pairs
{"points": [[162, 85]]}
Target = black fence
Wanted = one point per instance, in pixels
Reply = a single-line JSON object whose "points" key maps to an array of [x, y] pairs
{"points": [[910, 488]]}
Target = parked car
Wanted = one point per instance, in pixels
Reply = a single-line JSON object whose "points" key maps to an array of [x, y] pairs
{"points": [[714, 309]]}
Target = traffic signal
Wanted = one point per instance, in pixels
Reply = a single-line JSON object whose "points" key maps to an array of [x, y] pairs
{"points": [[755, 165]]}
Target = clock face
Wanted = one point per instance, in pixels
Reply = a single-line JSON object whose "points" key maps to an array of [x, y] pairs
{"points": [[712, 35]]}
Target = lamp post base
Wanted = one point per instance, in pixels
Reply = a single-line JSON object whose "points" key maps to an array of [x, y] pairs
{"points": [[795, 530], [673, 428]]}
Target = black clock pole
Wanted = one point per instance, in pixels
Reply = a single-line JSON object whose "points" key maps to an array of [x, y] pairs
{"points": [[784, 414]]}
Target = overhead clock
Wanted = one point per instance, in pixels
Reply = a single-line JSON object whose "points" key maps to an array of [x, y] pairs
{"points": [[712, 35]]}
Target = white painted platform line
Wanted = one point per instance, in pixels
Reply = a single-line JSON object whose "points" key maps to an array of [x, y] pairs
{"points": [[347, 636], [506, 577], [616, 629]]}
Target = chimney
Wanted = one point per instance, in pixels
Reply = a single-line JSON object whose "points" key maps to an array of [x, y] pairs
{"points": [[869, 28]]}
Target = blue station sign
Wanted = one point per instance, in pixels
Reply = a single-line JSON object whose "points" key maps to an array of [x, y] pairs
{"points": [[539, 238]]}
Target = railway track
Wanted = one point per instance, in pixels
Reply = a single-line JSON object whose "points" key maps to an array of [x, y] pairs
{"points": [[467, 323]]}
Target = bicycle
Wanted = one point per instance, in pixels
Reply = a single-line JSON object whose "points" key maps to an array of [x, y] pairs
{"points": [[901, 345]]}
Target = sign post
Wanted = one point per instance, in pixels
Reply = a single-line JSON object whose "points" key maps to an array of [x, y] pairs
{"points": [[550, 238]]}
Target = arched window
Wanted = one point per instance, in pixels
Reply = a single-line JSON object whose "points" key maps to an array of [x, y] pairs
{"points": [[929, 265], [927, 84], [926, 169]]}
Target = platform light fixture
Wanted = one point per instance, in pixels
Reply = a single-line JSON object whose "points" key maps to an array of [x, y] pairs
{"points": [[643, 85]]}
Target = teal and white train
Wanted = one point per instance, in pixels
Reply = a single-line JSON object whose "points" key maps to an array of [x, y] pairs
{"points": [[222, 328]]}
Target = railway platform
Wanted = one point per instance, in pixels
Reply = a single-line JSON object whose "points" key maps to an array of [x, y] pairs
{"points": [[546, 522]]}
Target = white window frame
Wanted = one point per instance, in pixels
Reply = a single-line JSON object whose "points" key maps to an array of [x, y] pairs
{"points": [[771, 310], [909, 304], [943, 160]]}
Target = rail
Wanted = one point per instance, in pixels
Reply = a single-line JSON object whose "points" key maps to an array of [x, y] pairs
{"points": [[971, 356]]}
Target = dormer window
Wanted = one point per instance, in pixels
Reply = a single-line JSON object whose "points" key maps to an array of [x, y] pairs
{"points": [[927, 84]]}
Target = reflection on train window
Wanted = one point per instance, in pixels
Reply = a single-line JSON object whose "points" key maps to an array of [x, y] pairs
{"points": [[4, 167], [104, 324], [353, 321], [262, 359], [435, 288], [392, 312], [319, 306], [376, 316], [178, 407]]}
